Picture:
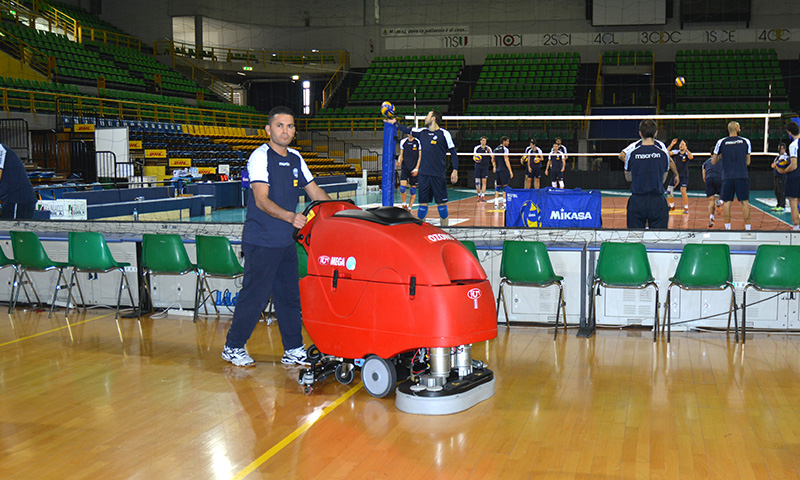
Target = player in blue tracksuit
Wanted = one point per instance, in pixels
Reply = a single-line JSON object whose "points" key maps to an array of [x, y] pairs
{"points": [[779, 179], [408, 162], [556, 163], [734, 153], [712, 177], [533, 159], [482, 155], [681, 157], [502, 170], [435, 144], [793, 173], [645, 167]]}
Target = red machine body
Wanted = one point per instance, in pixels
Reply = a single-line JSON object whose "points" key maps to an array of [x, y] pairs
{"points": [[382, 282]]}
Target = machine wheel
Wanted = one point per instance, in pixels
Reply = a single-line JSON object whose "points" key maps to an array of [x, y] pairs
{"points": [[314, 355], [344, 373], [379, 376]]}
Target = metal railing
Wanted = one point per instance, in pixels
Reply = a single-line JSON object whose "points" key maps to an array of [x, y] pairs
{"points": [[14, 134], [61, 20], [333, 84], [110, 38], [205, 78], [37, 102]]}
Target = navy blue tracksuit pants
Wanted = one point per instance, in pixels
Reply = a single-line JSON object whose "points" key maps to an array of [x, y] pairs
{"points": [[648, 211], [268, 271]]}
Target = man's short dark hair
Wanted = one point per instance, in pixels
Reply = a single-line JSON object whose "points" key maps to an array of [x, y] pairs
{"points": [[533, 141], [279, 111], [437, 115], [503, 139], [793, 128], [648, 128]]}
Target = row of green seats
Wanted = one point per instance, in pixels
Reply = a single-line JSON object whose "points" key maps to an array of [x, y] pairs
{"points": [[533, 109], [531, 55], [764, 53], [523, 93], [422, 64], [24, 84], [628, 58], [415, 58], [743, 107], [227, 106]]}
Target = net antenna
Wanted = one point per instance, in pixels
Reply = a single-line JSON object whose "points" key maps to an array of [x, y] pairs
{"points": [[416, 122]]}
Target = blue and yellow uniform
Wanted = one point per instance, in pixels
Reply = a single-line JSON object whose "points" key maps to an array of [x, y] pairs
{"points": [[434, 147]]}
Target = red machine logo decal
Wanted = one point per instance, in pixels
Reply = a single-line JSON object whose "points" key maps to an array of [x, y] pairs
{"points": [[324, 260], [475, 294], [438, 237]]}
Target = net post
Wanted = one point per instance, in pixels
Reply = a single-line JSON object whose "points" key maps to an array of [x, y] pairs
{"points": [[387, 174]]}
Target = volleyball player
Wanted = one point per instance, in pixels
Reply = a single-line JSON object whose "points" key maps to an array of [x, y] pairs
{"points": [[502, 170], [793, 173], [482, 155], [734, 153], [562, 148], [435, 144], [712, 177], [556, 163], [533, 159], [779, 181], [681, 157], [645, 168], [408, 162]]}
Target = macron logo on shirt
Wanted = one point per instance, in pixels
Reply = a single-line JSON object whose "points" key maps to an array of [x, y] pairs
{"points": [[284, 164], [734, 142], [647, 155]]}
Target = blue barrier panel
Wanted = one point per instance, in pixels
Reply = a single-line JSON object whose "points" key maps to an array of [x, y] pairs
{"points": [[387, 182], [553, 208]]}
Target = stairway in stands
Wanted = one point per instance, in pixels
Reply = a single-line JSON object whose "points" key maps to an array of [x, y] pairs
{"points": [[461, 93]]}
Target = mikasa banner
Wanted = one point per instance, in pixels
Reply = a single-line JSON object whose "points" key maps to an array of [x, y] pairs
{"points": [[553, 208]]}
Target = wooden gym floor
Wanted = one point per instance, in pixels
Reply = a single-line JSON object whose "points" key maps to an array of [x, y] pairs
{"points": [[163, 405], [471, 213]]}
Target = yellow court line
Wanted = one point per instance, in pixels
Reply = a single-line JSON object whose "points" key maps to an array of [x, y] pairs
{"points": [[300, 430], [53, 330]]}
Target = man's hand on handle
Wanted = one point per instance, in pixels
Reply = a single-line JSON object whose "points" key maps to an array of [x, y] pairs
{"points": [[299, 220]]}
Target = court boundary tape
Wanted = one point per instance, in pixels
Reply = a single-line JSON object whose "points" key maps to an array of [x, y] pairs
{"points": [[292, 436], [53, 330]]}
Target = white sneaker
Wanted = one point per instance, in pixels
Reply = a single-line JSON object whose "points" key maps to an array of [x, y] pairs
{"points": [[237, 356], [295, 356]]}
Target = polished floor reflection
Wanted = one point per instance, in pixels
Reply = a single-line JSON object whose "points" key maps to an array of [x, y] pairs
{"points": [[163, 405]]}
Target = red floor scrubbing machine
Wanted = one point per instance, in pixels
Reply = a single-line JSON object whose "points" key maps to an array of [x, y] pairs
{"points": [[399, 299]]}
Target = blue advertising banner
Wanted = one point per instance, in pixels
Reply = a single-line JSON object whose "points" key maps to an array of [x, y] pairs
{"points": [[553, 208], [387, 180]]}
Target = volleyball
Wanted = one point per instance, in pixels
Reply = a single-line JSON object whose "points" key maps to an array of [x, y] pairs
{"points": [[783, 162], [680, 81], [477, 158], [387, 109]]}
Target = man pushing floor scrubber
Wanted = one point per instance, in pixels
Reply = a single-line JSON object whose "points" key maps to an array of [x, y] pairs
{"points": [[398, 298]]}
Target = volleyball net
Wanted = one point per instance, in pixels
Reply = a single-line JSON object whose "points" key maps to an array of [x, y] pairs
{"points": [[593, 143]]}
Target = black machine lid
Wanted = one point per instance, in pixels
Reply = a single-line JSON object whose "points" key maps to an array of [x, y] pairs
{"points": [[388, 216]]}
